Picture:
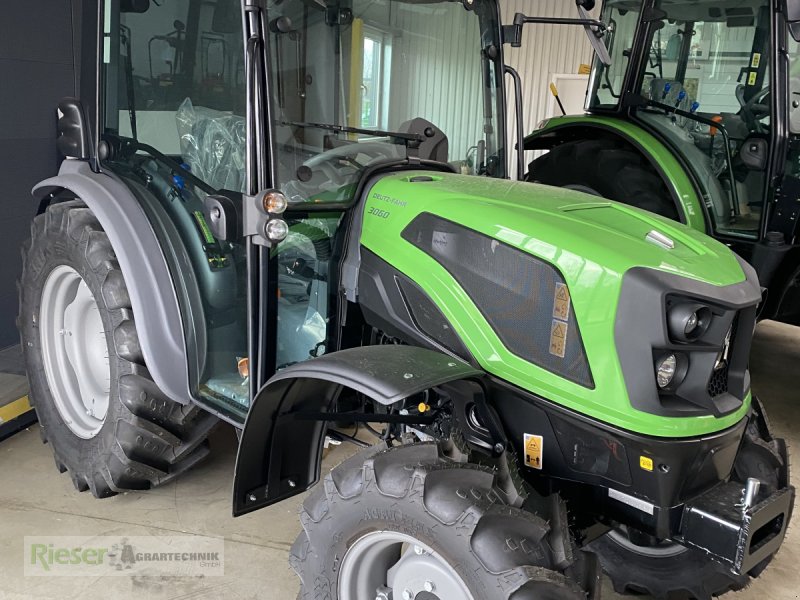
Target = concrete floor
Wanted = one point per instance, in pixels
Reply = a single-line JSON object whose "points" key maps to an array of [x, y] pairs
{"points": [[36, 500]]}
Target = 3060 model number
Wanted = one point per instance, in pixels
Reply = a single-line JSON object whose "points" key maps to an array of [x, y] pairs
{"points": [[383, 214]]}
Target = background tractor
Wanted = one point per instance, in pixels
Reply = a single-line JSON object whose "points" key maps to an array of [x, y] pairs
{"points": [[695, 118], [319, 230]]}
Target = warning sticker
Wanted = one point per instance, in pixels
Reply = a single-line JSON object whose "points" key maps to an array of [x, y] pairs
{"points": [[646, 463], [561, 302], [533, 451], [756, 60], [751, 79], [558, 338]]}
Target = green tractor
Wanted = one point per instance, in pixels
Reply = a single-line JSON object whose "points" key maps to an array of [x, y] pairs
{"points": [[695, 116], [319, 230]]}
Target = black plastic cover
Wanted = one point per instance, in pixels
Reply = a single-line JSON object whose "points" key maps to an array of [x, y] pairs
{"points": [[280, 452]]}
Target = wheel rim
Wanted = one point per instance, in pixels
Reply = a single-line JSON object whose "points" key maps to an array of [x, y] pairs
{"points": [[663, 549], [387, 564], [74, 351]]}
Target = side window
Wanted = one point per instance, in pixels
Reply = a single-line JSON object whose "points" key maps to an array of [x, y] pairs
{"points": [[174, 100], [175, 81]]}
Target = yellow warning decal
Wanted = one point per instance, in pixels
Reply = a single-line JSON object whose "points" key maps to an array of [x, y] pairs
{"points": [[646, 463], [558, 338], [756, 60], [533, 451], [751, 79], [561, 302]]}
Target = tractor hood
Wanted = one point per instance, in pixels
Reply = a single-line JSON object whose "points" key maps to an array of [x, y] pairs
{"points": [[568, 228], [532, 280]]}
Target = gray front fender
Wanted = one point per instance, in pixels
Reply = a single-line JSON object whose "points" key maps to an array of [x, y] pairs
{"points": [[144, 267], [280, 454]]}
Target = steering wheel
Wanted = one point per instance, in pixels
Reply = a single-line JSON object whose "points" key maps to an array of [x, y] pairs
{"points": [[328, 162], [755, 109]]}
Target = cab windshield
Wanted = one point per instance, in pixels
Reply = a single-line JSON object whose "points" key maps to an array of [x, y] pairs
{"points": [[707, 58], [391, 70]]}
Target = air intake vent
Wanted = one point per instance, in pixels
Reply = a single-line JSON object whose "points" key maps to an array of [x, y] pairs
{"points": [[525, 300]]}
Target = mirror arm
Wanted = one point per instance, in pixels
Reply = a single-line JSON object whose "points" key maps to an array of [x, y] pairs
{"points": [[512, 34]]}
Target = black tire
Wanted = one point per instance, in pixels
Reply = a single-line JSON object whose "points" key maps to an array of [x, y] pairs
{"points": [[688, 575], [146, 439], [610, 169], [456, 509]]}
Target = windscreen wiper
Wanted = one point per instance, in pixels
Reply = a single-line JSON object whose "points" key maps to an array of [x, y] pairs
{"points": [[409, 140]]}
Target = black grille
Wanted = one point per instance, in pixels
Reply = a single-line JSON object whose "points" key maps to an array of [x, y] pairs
{"points": [[515, 292], [718, 384]]}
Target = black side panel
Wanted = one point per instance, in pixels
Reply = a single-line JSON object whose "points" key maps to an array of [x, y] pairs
{"points": [[393, 303], [525, 300], [36, 71], [280, 451]]}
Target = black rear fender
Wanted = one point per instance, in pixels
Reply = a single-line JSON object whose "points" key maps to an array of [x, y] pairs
{"points": [[280, 451]]}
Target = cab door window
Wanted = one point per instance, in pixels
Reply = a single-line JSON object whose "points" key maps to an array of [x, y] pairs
{"points": [[174, 100]]}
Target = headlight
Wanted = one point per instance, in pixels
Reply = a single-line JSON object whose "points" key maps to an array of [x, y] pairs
{"points": [[276, 230], [688, 322], [666, 366]]}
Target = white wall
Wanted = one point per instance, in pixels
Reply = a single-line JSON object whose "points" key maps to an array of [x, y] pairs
{"points": [[546, 49]]}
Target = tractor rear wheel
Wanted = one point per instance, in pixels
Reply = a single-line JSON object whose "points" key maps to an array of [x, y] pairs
{"points": [[607, 168], [106, 421], [408, 523]]}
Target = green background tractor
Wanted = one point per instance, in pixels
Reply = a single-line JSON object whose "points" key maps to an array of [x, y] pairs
{"points": [[247, 229], [695, 118]]}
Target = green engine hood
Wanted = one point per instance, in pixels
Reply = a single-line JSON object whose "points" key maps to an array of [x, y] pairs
{"points": [[592, 243]]}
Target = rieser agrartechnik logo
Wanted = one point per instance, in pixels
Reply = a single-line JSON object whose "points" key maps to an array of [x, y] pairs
{"points": [[157, 556]]}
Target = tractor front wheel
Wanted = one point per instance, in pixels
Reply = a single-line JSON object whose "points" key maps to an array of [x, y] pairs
{"points": [[407, 523]]}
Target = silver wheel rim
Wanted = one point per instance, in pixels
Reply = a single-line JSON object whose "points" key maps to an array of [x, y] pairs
{"points": [[74, 351], [387, 564], [662, 550]]}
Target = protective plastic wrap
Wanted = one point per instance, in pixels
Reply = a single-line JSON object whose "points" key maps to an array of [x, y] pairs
{"points": [[213, 145]]}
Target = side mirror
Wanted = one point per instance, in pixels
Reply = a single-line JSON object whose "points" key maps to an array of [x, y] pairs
{"points": [[72, 129], [593, 32]]}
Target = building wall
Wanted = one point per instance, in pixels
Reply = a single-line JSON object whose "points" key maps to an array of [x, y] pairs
{"points": [[546, 50], [36, 70]]}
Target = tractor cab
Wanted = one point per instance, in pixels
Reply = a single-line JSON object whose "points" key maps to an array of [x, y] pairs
{"points": [[204, 105], [701, 79], [695, 118]]}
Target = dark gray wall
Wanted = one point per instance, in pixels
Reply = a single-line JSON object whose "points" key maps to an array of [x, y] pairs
{"points": [[36, 70]]}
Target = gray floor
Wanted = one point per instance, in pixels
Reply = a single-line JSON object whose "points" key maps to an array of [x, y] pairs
{"points": [[35, 500]]}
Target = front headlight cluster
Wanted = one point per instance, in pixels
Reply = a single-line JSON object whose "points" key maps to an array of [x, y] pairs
{"points": [[687, 322]]}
